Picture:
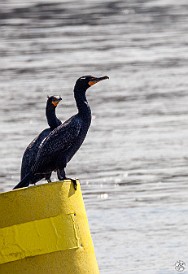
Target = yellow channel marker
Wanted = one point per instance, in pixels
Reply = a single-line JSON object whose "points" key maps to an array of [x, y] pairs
{"points": [[44, 229]]}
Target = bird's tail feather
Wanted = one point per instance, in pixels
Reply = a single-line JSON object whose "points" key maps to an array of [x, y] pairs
{"points": [[25, 181]]}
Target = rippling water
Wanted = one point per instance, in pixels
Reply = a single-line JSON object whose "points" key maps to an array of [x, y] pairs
{"points": [[133, 165]]}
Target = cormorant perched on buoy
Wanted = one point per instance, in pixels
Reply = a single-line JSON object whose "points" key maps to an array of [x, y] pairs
{"points": [[30, 153], [64, 141]]}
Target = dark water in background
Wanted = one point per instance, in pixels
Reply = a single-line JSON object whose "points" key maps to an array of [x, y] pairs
{"points": [[133, 165]]}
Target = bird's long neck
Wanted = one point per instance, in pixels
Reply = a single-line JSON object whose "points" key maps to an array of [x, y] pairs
{"points": [[83, 107], [51, 117]]}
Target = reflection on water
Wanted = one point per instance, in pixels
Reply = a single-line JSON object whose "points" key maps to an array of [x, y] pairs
{"points": [[133, 164]]}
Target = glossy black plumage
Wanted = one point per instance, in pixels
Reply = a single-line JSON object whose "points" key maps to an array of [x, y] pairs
{"points": [[61, 144], [30, 153]]}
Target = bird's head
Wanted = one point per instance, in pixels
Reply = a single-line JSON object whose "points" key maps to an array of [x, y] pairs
{"points": [[53, 101], [84, 82]]}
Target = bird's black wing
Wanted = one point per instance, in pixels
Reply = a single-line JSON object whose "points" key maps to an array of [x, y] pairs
{"points": [[30, 153], [58, 141]]}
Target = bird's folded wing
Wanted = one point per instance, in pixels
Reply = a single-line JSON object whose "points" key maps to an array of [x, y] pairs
{"points": [[30, 153], [59, 140]]}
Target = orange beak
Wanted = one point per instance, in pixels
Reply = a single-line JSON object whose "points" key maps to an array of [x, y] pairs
{"points": [[56, 102], [96, 80]]}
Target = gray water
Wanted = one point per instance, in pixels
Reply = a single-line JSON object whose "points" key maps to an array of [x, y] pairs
{"points": [[133, 165]]}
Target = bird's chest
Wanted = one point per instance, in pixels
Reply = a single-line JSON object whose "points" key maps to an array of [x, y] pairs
{"points": [[82, 134], [78, 141]]}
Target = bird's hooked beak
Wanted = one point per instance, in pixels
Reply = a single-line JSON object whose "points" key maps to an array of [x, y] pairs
{"points": [[56, 101], [96, 80]]}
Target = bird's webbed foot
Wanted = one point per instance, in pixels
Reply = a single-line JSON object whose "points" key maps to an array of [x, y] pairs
{"points": [[74, 181], [61, 176]]}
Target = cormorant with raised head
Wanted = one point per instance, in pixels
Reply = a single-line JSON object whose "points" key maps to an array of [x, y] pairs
{"points": [[30, 153], [63, 142]]}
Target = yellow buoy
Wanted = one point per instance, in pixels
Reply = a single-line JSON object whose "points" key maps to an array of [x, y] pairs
{"points": [[44, 229]]}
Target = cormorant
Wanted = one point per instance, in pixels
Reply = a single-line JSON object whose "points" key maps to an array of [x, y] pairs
{"points": [[30, 153], [63, 142]]}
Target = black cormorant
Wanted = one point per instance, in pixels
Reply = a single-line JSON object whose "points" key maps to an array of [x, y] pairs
{"points": [[30, 153], [63, 142]]}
